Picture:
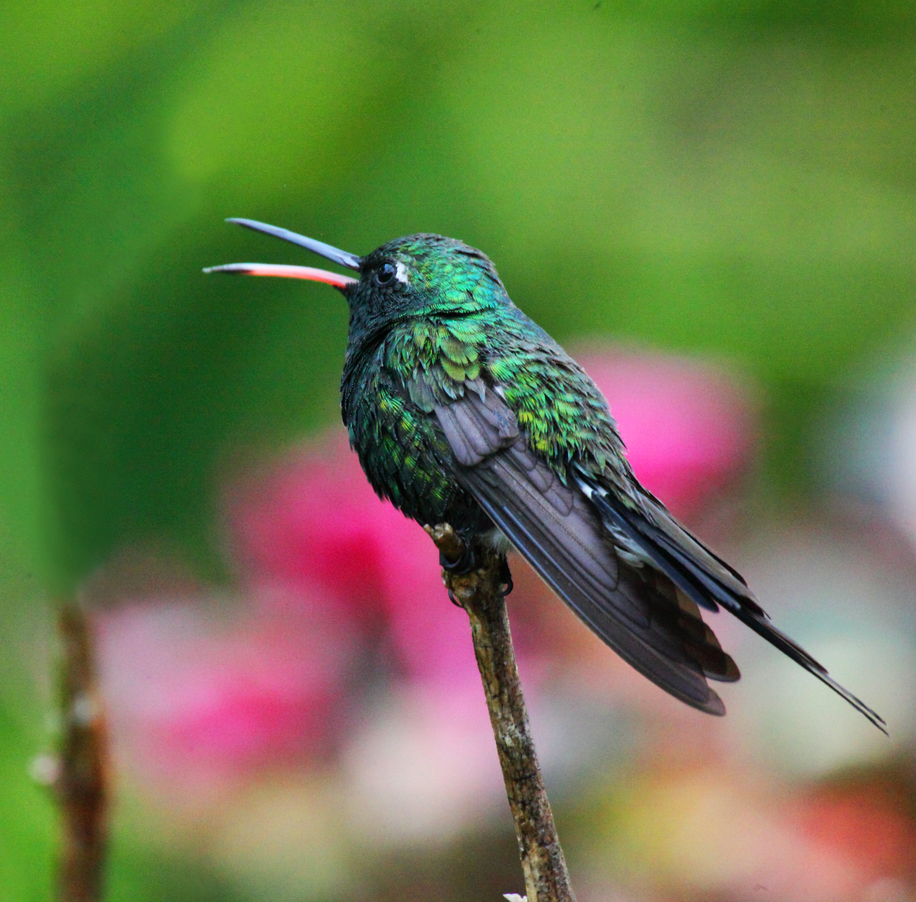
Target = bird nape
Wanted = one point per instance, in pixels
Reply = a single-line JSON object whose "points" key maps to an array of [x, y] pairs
{"points": [[464, 411]]}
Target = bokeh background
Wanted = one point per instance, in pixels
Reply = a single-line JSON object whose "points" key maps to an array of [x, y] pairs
{"points": [[712, 204]]}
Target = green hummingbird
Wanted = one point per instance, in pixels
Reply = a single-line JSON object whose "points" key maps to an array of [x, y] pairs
{"points": [[464, 411]]}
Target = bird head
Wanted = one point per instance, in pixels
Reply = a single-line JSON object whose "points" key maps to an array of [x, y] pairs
{"points": [[418, 275]]}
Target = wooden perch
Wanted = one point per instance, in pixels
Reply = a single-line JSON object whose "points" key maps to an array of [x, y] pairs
{"points": [[82, 779], [481, 592]]}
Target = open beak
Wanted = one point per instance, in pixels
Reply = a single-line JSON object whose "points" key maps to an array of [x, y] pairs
{"points": [[342, 258]]}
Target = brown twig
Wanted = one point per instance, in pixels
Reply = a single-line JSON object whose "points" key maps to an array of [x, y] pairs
{"points": [[81, 782], [481, 593]]}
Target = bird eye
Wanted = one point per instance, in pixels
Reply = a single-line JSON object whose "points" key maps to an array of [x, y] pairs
{"points": [[385, 273]]}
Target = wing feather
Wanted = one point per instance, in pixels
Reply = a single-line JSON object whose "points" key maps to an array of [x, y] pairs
{"points": [[650, 625], [628, 569]]}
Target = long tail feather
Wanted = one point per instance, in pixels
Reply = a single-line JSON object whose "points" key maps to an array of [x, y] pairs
{"points": [[704, 578]]}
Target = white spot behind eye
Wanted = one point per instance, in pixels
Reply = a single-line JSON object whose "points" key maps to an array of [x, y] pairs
{"points": [[401, 273]]}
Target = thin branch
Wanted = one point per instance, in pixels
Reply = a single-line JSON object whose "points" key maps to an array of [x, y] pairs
{"points": [[481, 593], [82, 778]]}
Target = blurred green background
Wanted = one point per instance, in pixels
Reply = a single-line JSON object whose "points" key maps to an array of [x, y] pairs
{"points": [[735, 180]]}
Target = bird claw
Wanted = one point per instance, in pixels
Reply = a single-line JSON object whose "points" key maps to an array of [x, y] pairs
{"points": [[505, 578], [469, 560], [464, 563]]}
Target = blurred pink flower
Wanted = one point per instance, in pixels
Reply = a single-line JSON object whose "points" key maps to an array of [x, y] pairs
{"points": [[311, 519], [196, 699], [313, 522], [689, 426]]}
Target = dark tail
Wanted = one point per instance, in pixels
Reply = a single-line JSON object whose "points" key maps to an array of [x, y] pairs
{"points": [[702, 576]]}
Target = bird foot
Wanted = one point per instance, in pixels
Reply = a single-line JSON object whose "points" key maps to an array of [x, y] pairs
{"points": [[505, 577], [462, 554], [464, 563]]}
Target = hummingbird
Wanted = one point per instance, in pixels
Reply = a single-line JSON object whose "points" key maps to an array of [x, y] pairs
{"points": [[462, 410]]}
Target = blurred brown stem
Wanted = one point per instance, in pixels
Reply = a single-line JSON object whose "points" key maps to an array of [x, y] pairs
{"points": [[81, 782], [481, 594]]}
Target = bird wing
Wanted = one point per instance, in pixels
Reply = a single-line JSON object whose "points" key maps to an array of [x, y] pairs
{"points": [[630, 571], [637, 611]]}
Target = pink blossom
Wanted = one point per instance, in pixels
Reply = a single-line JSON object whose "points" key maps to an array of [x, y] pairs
{"points": [[196, 699], [688, 425], [313, 521]]}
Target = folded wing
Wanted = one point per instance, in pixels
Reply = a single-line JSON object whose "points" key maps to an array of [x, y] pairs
{"points": [[633, 574], [637, 611]]}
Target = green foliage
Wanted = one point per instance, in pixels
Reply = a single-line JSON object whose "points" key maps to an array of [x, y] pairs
{"points": [[26, 851]]}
